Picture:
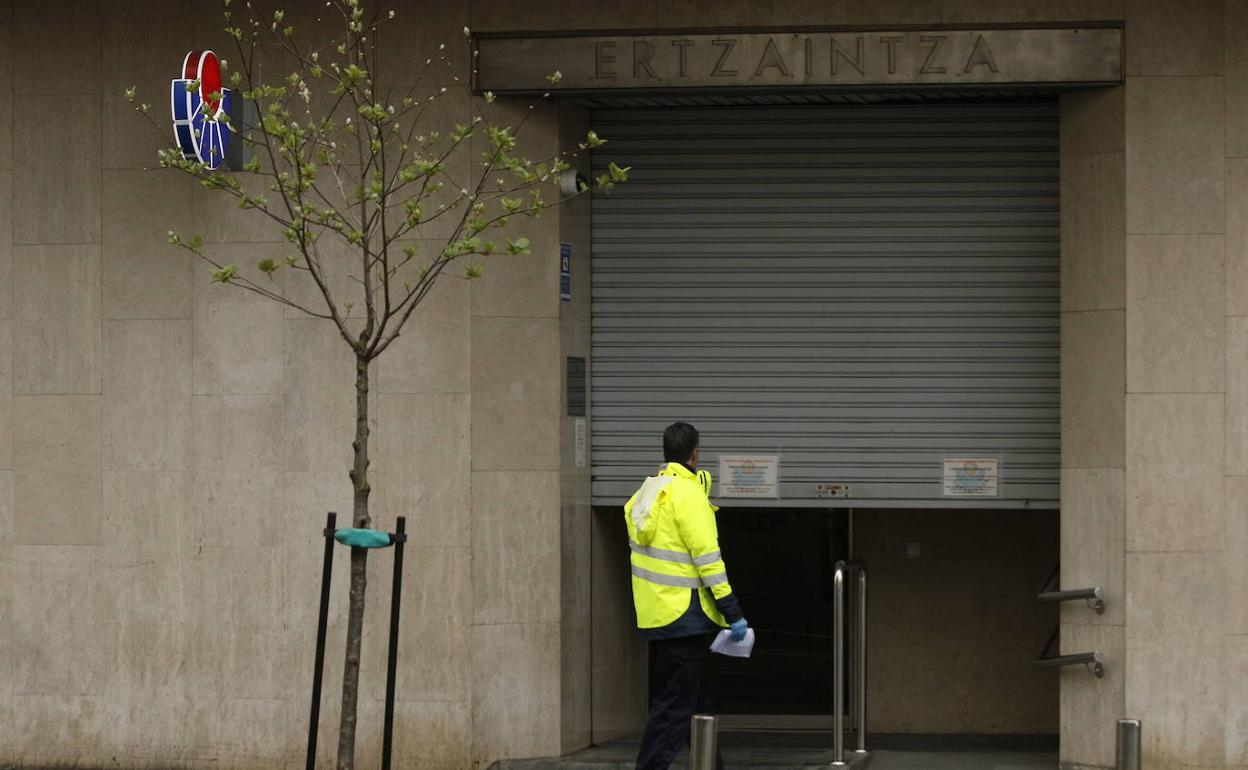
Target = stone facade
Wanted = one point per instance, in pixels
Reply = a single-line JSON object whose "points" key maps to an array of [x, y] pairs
{"points": [[168, 447]]}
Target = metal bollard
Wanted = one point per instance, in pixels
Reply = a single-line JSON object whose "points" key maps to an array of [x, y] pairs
{"points": [[838, 666], [1128, 744], [860, 663], [703, 742]]}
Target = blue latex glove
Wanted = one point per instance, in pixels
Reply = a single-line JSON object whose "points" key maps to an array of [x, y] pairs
{"points": [[737, 630]]}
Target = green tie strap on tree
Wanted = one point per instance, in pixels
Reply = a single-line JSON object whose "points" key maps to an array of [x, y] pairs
{"points": [[363, 538]]}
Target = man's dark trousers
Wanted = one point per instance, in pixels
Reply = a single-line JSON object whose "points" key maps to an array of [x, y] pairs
{"points": [[676, 670]]}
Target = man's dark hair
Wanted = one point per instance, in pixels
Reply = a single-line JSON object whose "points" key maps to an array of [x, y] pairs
{"points": [[679, 441]]}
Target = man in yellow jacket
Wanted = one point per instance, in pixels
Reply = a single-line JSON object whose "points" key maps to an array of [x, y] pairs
{"points": [[680, 591]]}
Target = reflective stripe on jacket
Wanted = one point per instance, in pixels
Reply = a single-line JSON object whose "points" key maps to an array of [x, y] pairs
{"points": [[675, 547]]}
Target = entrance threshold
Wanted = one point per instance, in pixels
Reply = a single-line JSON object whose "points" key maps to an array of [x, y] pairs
{"points": [[812, 751], [752, 750], [781, 723]]}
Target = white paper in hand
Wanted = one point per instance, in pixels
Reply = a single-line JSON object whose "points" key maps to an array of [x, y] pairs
{"points": [[724, 645]]}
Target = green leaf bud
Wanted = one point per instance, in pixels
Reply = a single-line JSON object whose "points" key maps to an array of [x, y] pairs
{"points": [[225, 274]]}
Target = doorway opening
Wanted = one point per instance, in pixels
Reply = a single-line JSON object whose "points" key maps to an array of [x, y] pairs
{"points": [[953, 622], [780, 562]]}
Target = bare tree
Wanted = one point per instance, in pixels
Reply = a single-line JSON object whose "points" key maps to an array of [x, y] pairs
{"points": [[350, 163]]}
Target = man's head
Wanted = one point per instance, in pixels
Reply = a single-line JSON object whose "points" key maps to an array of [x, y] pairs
{"points": [[680, 444]]}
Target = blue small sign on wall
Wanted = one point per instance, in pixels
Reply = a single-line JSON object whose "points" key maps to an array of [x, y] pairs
{"points": [[565, 272]]}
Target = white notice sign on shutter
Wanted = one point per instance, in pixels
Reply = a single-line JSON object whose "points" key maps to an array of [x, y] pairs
{"points": [[749, 476], [971, 477]]}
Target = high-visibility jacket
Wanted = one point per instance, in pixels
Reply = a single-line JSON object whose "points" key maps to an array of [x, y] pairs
{"points": [[675, 548]]}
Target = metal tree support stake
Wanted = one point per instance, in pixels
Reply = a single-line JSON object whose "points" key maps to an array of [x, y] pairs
{"points": [[320, 639], [703, 742], [397, 540]]}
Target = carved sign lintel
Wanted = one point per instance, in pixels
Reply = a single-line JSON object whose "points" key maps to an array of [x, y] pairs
{"points": [[934, 57]]}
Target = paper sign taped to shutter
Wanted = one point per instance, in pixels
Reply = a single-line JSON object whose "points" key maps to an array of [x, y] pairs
{"points": [[749, 476], [971, 477]]}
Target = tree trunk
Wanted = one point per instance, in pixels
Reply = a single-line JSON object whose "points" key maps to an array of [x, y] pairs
{"points": [[359, 575]]}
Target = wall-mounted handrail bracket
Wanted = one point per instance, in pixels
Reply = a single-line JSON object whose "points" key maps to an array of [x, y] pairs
{"points": [[1094, 596], [1093, 660]]}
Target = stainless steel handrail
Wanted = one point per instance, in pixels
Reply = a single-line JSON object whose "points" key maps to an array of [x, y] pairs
{"points": [[857, 570], [1094, 596], [1092, 660]]}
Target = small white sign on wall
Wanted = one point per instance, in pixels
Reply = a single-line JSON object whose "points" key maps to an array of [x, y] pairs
{"points": [[749, 476], [971, 477], [580, 442]]}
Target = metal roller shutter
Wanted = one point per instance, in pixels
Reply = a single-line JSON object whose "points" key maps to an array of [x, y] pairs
{"points": [[863, 290]]}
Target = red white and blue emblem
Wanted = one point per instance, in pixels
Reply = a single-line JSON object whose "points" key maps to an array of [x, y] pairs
{"points": [[198, 118]]}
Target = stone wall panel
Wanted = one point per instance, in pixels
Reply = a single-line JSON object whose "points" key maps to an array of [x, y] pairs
{"points": [[145, 506], [1093, 377], [1236, 701], [132, 139], [1094, 542], [1091, 707], [515, 547], [417, 34], [1174, 37], [1093, 232], [1236, 551], [1175, 656], [515, 386], [6, 530], [1175, 164], [56, 48], [6, 395], [144, 276], [54, 589], [433, 734], [1030, 11], [6, 242], [147, 395], [1092, 121], [58, 492], [437, 611], [56, 320], [49, 210], [1236, 31], [422, 466], [320, 404], [525, 286], [433, 352], [608, 14], [1174, 473], [238, 335], [620, 661], [1237, 396], [1237, 237], [6, 92], [515, 690], [893, 12], [1176, 336]]}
